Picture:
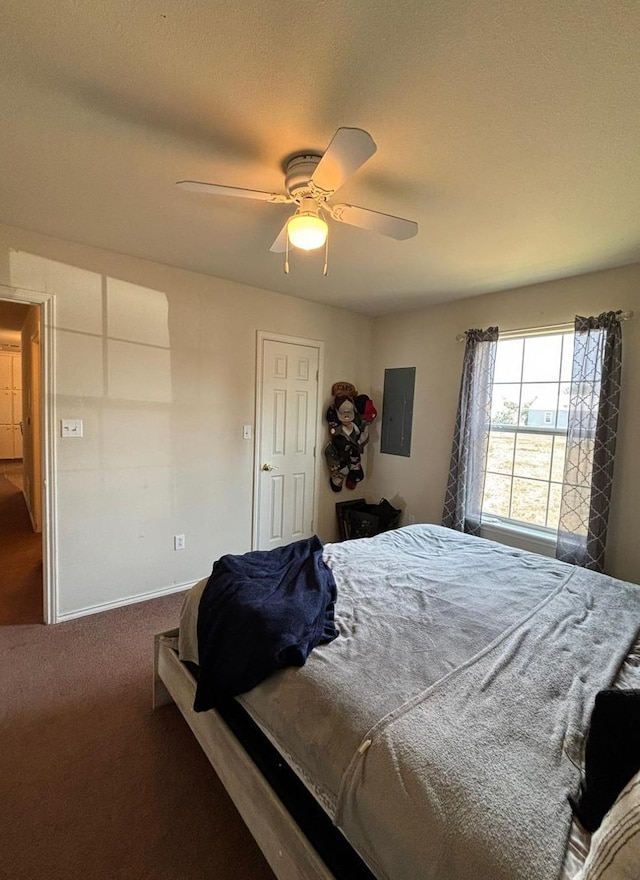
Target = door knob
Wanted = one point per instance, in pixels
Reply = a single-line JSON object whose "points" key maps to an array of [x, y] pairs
{"points": [[269, 467]]}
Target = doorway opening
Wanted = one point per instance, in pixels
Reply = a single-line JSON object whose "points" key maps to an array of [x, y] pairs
{"points": [[22, 587]]}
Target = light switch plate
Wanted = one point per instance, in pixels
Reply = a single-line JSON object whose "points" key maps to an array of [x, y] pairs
{"points": [[246, 432], [71, 427]]}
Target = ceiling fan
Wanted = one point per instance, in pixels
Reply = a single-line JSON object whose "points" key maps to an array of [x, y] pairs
{"points": [[310, 181]]}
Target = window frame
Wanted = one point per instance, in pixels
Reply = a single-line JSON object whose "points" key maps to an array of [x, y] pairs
{"points": [[540, 538]]}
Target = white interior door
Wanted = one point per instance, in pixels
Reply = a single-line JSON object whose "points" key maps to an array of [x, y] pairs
{"points": [[6, 407], [287, 420], [6, 370]]}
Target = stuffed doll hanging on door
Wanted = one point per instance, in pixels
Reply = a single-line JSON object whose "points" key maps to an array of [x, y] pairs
{"points": [[349, 417]]}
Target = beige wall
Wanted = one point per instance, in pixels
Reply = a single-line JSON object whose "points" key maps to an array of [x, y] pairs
{"points": [[159, 363], [426, 339]]}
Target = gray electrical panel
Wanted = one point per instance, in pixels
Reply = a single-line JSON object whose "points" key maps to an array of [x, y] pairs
{"points": [[397, 410]]}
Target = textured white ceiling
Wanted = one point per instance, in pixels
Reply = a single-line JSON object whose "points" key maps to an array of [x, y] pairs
{"points": [[509, 129]]}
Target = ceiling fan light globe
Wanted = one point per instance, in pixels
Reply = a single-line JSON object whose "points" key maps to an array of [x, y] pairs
{"points": [[307, 231]]}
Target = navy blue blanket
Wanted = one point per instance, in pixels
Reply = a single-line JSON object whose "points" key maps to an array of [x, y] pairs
{"points": [[260, 612]]}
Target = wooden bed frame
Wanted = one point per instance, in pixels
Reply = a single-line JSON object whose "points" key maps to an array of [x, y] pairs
{"points": [[285, 847]]}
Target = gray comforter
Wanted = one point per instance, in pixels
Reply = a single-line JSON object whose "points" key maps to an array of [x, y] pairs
{"points": [[438, 729]]}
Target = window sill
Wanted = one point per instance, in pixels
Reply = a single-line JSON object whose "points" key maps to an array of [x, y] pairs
{"points": [[531, 539]]}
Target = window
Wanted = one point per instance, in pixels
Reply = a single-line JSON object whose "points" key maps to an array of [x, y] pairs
{"points": [[527, 440]]}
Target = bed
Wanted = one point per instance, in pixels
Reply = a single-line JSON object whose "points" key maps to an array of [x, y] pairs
{"points": [[443, 730]]}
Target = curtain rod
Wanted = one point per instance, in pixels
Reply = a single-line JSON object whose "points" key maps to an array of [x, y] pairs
{"points": [[550, 328]]}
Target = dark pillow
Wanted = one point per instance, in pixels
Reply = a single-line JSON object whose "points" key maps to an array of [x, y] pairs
{"points": [[612, 754]]}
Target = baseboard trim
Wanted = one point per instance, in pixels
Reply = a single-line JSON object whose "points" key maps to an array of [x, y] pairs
{"points": [[129, 600]]}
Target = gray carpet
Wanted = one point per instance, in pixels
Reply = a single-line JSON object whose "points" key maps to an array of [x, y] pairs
{"points": [[93, 783]]}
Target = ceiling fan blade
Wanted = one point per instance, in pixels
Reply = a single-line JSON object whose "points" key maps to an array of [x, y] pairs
{"points": [[218, 189], [349, 150], [385, 224], [280, 244]]}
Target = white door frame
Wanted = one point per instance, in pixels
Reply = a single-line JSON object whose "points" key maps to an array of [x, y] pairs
{"points": [[261, 337], [46, 303]]}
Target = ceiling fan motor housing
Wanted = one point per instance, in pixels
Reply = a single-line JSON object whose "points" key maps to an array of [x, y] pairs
{"points": [[299, 172], [311, 180]]}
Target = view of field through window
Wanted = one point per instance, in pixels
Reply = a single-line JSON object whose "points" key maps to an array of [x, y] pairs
{"points": [[527, 442]]}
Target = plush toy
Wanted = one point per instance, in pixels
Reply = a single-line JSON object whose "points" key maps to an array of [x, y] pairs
{"points": [[332, 420], [337, 456], [348, 417]]}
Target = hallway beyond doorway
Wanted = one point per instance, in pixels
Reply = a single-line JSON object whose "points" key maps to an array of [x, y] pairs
{"points": [[20, 553]]}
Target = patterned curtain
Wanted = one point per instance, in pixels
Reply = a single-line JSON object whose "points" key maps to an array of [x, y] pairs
{"points": [[465, 487], [591, 440]]}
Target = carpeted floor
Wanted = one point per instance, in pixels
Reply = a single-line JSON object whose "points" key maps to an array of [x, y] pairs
{"points": [[95, 785], [21, 598]]}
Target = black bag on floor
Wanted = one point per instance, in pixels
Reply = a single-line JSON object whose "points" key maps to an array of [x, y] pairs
{"points": [[366, 520]]}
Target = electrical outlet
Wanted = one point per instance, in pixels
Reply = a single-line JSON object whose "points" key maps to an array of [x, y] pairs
{"points": [[178, 542]]}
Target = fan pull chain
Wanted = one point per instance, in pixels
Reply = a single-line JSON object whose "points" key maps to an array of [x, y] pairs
{"points": [[326, 256], [286, 256]]}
